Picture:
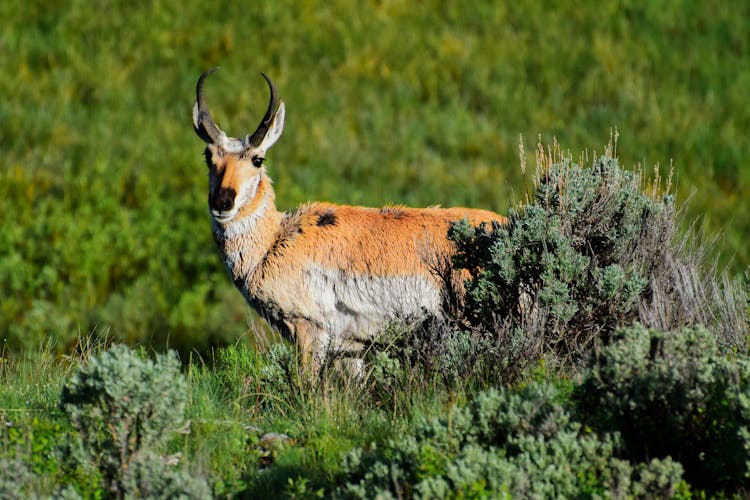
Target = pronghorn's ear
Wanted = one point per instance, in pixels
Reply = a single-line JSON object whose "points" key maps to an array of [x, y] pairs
{"points": [[198, 125], [274, 131]]}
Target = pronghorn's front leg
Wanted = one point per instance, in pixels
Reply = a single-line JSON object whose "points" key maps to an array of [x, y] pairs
{"points": [[306, 335], [317, 352]]}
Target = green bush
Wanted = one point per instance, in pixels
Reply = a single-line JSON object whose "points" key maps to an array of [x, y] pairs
{"points": [[593, 249], [125, 408], [504, 444], [576, 249], [674, 394]]}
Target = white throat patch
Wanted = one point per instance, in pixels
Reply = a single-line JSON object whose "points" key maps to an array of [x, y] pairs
{"points": [[245, 225]]}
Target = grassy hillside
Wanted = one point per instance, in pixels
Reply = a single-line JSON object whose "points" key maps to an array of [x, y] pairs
{"points": [[103, 190]]}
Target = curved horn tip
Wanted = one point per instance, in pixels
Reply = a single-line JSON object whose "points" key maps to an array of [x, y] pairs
{"points": [[274, 101], [204, 75], [212, 70], [269, 81]]}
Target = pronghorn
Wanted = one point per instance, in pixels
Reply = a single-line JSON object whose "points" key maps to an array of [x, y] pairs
{"points": [[329, 277]]}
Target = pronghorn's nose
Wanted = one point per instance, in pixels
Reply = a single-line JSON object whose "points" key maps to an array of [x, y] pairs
{"points": [[224, 200]]}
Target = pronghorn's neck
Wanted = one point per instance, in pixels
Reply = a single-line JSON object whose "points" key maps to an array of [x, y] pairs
{"points": [[245, 240]]}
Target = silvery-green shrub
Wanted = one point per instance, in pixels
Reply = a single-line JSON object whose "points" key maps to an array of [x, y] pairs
{"points": [[592, 249], [674, 394], [505, 444], [122, 405]]}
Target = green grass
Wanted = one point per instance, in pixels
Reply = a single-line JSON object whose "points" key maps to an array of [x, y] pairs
{"points": [[102, 186], [234, 403]]}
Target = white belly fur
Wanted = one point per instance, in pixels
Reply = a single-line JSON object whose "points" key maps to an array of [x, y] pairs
{"points": [[352, 309]]}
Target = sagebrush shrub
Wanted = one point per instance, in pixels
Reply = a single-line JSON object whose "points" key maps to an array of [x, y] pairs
{"points": [[593, 249], [504, 444], [674, 394], [122, 406], [569, 257]]}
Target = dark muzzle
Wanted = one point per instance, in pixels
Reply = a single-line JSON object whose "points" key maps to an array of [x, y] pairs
{"points": [[223, 201]]}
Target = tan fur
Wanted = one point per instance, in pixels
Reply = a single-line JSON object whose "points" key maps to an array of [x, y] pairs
{"points": [[367, 241]]}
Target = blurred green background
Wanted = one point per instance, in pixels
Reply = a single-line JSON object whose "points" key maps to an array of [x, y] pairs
{"points": [[103, 190]]}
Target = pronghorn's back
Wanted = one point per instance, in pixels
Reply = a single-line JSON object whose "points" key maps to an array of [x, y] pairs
{"points": [[387, 241], [328, 276]]}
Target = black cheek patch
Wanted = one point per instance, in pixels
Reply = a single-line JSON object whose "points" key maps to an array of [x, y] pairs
{"points": [[327, 218]]}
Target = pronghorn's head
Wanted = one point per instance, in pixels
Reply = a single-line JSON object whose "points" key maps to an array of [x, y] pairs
{"points": [[235, 165]]}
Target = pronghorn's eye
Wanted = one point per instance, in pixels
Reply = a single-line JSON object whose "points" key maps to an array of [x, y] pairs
{"points": [[258, 161]]}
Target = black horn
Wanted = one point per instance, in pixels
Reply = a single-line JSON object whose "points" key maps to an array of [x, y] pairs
{"points": [[257, 137], [202, 121]]}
